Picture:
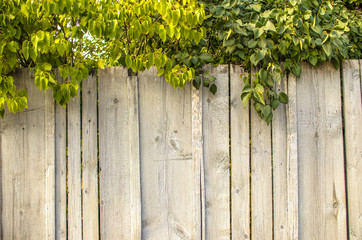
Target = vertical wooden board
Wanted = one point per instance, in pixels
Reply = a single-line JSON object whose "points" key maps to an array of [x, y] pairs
{"points": [[240, 158], [27, 155], [353, 135], [292, 159], [90, 158], [197, 155], [60, 171], [118, 155], [74, 169], [261, 178], [280, 171], [167, 167], [216, 156], [322, 208]]}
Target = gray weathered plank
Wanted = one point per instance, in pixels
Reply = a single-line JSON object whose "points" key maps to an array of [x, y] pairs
{"points": [[216, 156], [90, 158], [168, 174], [353, 135], [198, 164], [261, 178], [292, 159], [28, 158], [74, 169], [280, 171], [118, 155], [240, 158], [322, 208], [60, 171]]}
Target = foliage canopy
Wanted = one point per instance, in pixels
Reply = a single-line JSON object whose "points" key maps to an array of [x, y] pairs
{"points": [[176, 36]]}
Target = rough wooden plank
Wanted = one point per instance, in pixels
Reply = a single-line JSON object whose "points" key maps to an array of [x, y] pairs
{"points": [[168, 174], [74, 169], [216, 156], [280, 171], [27, 155], [322, 205], [353, 135], [60, 171], [240, 158], [90, 158], [198, 160], [292, 159], [134, 153], [118, 155], [261, 178]]}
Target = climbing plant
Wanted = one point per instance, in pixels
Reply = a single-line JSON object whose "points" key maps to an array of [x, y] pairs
{"points": [[176, 36]]}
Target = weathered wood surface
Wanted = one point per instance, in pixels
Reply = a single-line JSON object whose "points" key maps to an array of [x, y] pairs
{"points": [[166, 152], [60, 170], [280, 170], [169, 209], [74, 169], [322, 206], [27, 161], [118, 155], [261, 179], [216, 156], [198, 164], [240, 158], [353, 147], [89, 158], [292, 160]]}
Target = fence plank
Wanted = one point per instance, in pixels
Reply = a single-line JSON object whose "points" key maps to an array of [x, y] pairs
{"points": [[60, 171], [320, 152], [240, 158], [90, 158], [27, 155], [353, 134], [118, 154], [168, 174], [216, 156], [198, 160], [280, 171], [74, 170], [292, 159], [261, 178]]}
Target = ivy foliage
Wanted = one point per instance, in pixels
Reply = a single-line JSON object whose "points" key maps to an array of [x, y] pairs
{"points": [[263, 34], [176, 36]]}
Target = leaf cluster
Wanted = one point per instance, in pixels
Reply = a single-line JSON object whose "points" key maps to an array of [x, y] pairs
{"points": [[263, 34]]}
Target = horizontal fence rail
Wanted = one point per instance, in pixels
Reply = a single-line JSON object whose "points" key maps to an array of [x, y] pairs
{"points": [[132, 158]]}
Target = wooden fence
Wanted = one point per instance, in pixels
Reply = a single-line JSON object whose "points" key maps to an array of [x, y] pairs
{"points": [[134, 159]]}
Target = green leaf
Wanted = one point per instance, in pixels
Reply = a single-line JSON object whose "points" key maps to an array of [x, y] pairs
{"points": [[245, 98], [196, 82], [46, 66], [327, 48], [213, 89], [205, 57], [269, 26], [283, 98]]}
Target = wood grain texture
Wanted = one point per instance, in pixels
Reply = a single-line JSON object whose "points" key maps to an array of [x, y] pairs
{"points": [[90, 158], [216, 156], [28, 158], [261, 178], [292, 159], [167, 167], [118, 155], [240, 158], [198, 164], [280, 170], [74, 169], [353, 135], [60, 170], [322, 208]]}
